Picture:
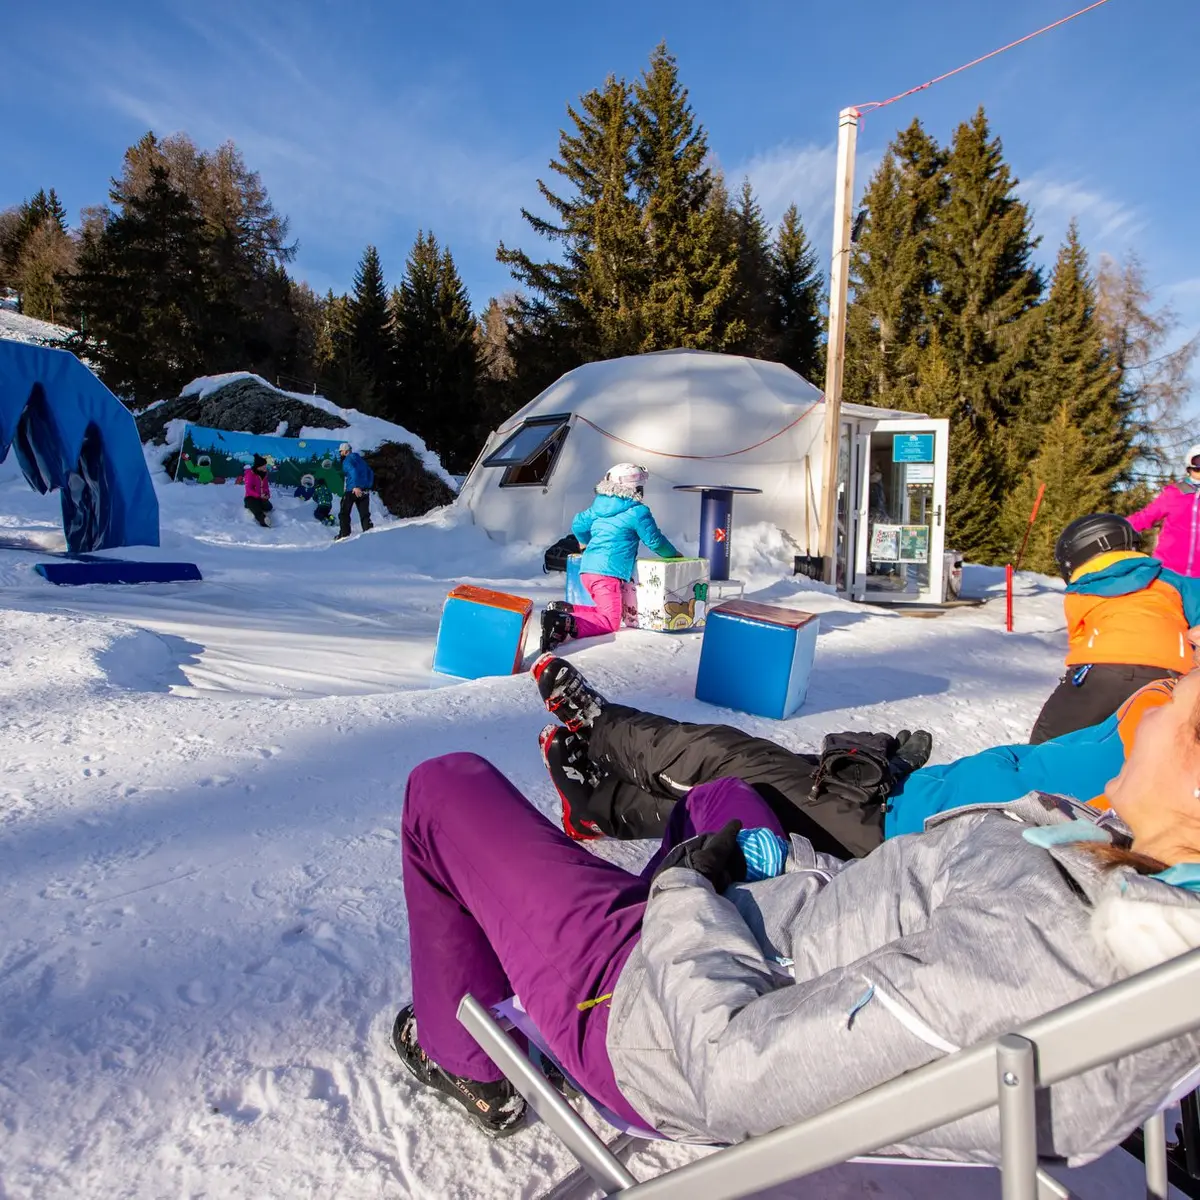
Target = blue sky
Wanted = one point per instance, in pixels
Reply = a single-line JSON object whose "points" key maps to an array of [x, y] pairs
{"points": [[370, 119]]}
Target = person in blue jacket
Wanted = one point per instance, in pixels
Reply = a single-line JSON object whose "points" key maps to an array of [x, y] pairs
{"points": [[359, 481], [609, 532]]}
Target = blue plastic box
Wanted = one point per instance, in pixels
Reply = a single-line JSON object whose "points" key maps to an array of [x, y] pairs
{"points": [[481, 633], [757, 658]]}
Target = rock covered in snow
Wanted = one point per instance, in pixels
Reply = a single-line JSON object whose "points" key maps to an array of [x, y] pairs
{"points": [[409, 477]]}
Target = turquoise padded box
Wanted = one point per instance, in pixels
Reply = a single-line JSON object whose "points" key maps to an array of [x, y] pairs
{"points": [[757, 658]]}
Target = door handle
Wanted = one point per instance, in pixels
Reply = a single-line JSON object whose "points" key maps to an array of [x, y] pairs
{"points": [[937, 514]]}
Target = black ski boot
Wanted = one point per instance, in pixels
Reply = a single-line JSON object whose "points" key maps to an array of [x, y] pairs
{"points": [[557, 627], [567, 694], [496, 1108], [574, 777]]}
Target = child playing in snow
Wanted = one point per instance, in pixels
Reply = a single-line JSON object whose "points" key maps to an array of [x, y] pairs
{"points": [[258, 491], [324, 503], [609, 532]]}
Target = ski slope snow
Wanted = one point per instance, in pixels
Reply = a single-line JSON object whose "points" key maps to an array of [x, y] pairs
{"points": [[202, 928]]}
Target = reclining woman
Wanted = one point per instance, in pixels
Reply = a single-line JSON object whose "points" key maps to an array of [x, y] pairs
{"points": [[619, 771], [742, 983]]}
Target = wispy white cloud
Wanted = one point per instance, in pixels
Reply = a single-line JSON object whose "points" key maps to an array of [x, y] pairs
{"points": [[346, 166], [1105, 223]]}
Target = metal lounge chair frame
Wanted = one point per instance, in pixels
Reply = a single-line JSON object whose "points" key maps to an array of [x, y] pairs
{"points": [[1133, 1015]]}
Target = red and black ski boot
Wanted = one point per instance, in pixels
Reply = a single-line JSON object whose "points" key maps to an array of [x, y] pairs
{"points": [[574, 778], [567, 694]]}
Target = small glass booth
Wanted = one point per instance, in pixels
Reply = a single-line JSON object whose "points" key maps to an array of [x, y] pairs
{"points": [[891, 509]]}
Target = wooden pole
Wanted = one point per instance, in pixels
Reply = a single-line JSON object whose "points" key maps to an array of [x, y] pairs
{"points": [[835, 357]]}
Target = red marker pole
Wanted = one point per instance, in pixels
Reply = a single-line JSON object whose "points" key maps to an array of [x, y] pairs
{"points": [[1008, 586], [1029, 528]]}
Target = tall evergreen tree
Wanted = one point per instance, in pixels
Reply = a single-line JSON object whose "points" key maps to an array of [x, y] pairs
{"points": [[794, 288], [437, 356], [892, 272], [141, 292], [693, 269], [367, 345], [1074, 430], [751, 303], [988, 286], [592, 291]]}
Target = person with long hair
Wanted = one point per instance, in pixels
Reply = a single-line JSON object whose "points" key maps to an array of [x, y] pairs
{"points": [[744, 981]]}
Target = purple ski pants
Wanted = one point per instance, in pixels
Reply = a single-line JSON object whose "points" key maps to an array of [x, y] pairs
{"points": [[501, 902]]}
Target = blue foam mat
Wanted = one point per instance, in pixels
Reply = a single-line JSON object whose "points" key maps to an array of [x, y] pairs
{"points": [[108, 570]]}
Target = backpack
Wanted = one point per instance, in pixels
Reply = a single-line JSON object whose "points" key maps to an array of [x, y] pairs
{"points": [[557, 555]]}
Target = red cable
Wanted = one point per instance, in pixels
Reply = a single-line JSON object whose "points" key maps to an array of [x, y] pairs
{"points": [[877, 104], [699, 457]]}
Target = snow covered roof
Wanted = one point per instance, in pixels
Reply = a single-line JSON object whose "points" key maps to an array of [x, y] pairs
{"points": [[701, 393]]}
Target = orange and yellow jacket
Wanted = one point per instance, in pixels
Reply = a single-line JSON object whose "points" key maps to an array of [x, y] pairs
{"points": [[1125, 607]]}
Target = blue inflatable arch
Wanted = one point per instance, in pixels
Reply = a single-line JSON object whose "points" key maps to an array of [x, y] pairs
{"points": [[70, 433]]}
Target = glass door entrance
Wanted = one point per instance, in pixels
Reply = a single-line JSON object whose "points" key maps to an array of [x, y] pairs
{"points": [[902, 507]]}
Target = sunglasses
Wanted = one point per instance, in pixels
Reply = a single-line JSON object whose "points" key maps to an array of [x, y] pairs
{"points": [[1194, 465]]}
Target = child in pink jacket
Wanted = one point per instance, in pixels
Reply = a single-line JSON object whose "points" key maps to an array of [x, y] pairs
{"points": [[1177, 506], [258, 491]]}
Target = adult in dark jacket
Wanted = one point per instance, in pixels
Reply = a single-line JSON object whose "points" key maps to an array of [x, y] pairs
{"points": [[620, 772], [623, 776], [745, 982], [359, 481]]}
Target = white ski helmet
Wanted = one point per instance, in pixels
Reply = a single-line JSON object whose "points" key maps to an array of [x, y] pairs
{"points": [[1193, 459], [627, 475]]}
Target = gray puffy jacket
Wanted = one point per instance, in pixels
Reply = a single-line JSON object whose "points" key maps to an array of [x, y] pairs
{"points": [[933, 942]]}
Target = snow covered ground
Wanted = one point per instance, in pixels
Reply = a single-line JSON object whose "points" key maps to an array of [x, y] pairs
{"points": [[18, 328], [202, 930]]}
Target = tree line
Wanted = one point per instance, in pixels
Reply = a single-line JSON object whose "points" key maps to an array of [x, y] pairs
{"points": [[1062, 380]]}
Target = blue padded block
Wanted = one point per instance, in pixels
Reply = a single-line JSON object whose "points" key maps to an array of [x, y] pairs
{"points": [[576, 592], [476, 639], [756, 658], [105, 570]]}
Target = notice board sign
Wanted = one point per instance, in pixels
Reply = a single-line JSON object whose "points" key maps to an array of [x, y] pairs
{"points": [[912, 447]]}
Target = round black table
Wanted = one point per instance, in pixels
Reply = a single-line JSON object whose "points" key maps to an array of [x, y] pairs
{"points": [[716, 522]]}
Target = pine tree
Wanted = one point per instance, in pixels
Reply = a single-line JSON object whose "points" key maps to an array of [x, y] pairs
{"points": [[795, 288], [592, 293], [751, 302], [987, 284], [892, 272], [437, 357], [46, 258], [368, 343], [693, 270], [1073, 431], [141, 292], [35, 247]]}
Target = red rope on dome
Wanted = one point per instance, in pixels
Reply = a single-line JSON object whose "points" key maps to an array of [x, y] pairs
{"points": [[699, 457]]}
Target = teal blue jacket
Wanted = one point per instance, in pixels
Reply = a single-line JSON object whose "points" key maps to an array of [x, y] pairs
{"points": [[610, 530], [1078, 765]]}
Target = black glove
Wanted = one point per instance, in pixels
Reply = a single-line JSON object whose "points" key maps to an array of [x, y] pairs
{"points": [[716, 856], [856, 767]]}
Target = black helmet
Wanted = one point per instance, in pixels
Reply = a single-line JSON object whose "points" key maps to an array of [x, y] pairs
{"points": [[1088, 536]]}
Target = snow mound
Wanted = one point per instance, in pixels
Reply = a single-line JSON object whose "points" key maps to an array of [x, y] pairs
{"points": [[15, 327]]}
